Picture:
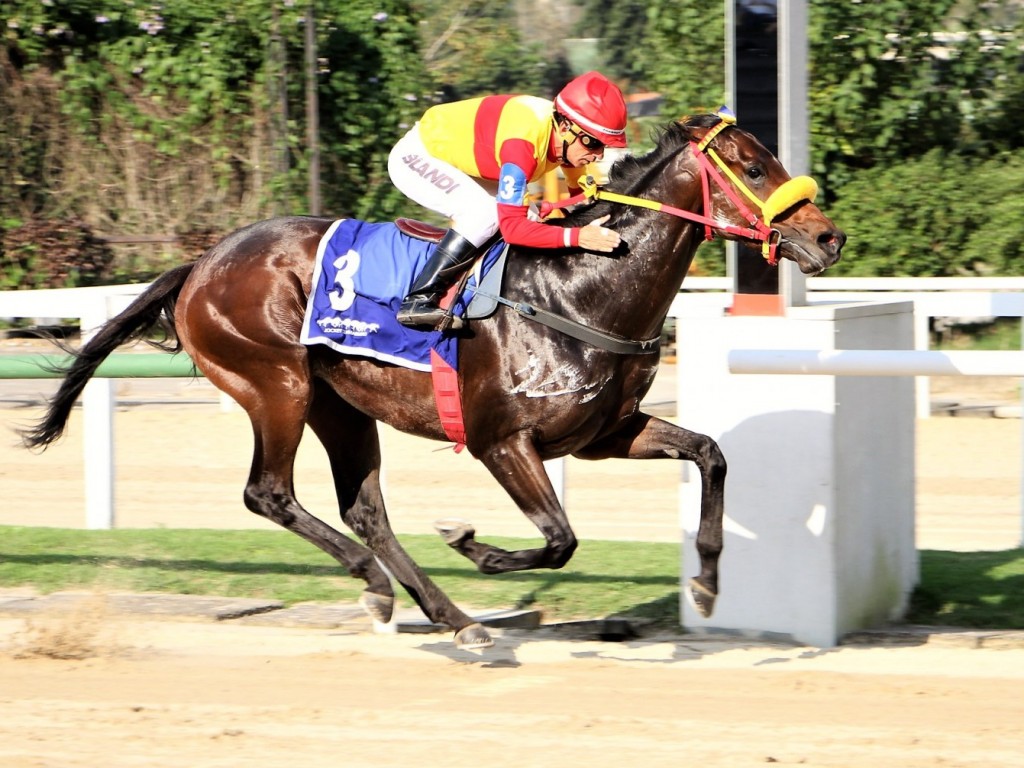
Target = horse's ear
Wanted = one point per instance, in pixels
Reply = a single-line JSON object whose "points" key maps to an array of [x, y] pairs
{"points": [[721, 120]]}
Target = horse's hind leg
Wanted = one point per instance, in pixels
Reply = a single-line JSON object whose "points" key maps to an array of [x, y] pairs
{"points": [[351, 440], [277, 410]]}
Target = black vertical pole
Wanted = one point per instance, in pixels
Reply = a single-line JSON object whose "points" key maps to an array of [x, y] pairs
{"points": [[755, 96]]}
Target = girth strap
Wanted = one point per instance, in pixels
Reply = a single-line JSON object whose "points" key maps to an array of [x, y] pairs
{"points": [[600, 339]]}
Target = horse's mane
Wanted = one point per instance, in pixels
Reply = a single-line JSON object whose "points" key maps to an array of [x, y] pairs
{"points": [[634, 173], [631, 171]]}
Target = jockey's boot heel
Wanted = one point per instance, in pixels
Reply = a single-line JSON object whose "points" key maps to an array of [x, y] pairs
{"points": [[420, 308]]}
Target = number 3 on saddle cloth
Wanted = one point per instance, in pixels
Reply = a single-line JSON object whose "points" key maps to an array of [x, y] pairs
{"points": [[363, 271]]}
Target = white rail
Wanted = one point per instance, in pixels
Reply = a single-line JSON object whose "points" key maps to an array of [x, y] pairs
{"points": [[932, 297], [876, 362]]}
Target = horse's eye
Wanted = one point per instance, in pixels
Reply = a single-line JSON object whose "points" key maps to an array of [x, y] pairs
{"points": [[755, 172]]}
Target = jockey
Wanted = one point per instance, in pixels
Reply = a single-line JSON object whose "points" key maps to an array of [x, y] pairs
{"points": [[445, 161]]}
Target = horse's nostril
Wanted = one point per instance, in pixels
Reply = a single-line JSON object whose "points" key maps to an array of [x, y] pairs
{"points": [[832, 239]]}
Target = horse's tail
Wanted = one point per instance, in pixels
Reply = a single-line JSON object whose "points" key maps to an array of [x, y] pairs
{"points": [[141, 315]]}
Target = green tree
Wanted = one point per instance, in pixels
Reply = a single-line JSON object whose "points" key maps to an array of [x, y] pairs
{"points": [[893, 79], [682, 54], [372, 88], [939, 214], [476, 47], [617, 29], [672, 47], [190, 114]]}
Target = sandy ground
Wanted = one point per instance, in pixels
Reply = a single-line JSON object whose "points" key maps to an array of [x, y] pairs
{"points": [[186, 694], [90, 690]]}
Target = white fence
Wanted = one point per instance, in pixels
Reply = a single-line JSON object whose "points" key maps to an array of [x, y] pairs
{"points": [[932, 297], [967, 297]]}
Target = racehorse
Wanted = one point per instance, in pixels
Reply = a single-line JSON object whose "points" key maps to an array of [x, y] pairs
{"points": [[530, 392]]}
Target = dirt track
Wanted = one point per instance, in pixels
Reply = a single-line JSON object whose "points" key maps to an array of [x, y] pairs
{"points": [[181, 694], [172, 693]]}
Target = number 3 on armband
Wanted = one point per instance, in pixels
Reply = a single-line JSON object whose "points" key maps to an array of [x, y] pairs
{"points": [[346, 265]]}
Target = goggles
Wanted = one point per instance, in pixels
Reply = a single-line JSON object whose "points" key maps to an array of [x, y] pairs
{"points": [[588, 141]]}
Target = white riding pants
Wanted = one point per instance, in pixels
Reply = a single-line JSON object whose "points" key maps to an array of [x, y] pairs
{"points": [[443, 188]]}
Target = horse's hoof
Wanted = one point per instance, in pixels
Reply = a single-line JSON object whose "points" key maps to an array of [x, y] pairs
{"points": [[473, 638], [380, 607], [454, 531], [701, 598]]}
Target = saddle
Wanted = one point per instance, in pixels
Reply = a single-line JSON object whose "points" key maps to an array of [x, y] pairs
{"points": [[421, 230], [480, 306]]}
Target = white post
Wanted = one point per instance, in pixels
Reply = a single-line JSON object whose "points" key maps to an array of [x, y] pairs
{"points": [[819, 533], [922, 388], [98, 429], [556, 474]]}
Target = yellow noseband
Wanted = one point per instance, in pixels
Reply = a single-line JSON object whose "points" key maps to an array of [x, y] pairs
{"points": [[789, 194]]}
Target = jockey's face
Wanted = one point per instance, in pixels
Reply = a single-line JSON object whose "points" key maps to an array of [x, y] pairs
{"points": [[583, 149]]}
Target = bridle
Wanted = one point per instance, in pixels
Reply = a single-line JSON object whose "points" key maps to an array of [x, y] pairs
{"points": [[714, 169]]}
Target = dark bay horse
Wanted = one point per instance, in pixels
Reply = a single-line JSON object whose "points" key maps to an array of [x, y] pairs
{"points": [[530, 393]]}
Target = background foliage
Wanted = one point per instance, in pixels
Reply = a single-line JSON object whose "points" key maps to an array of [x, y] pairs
{"points": [[188, 117]]}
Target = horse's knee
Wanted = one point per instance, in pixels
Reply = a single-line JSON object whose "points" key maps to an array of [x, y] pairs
{"points": [[712, 460]]}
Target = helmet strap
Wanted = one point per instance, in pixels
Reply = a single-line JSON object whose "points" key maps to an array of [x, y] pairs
{"points": [[567, 138]]}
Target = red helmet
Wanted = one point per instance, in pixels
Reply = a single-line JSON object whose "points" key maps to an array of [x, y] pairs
{"points": [[596, 105]]}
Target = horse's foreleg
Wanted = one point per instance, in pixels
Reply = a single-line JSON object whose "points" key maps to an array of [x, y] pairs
{"points": [[353, 446], [517, 466], [647, 437]]}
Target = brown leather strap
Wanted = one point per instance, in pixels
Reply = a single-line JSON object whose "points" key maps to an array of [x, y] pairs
{"points": [[421, 230]]}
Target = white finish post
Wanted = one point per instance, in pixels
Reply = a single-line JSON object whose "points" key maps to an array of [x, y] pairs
{"points": [[98, 428], [819, 501]]}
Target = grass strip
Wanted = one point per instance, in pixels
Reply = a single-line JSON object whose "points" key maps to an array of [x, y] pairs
{"points": [[604, 578]]}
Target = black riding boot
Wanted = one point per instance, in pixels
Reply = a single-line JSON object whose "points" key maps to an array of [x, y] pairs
{"points": [[420, 308]]}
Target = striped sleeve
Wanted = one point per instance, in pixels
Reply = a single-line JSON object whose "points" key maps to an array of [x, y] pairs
{"points": [[517, 229]]}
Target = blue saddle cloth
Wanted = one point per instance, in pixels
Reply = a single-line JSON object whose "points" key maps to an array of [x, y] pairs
{"points": [[363, 271]]}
